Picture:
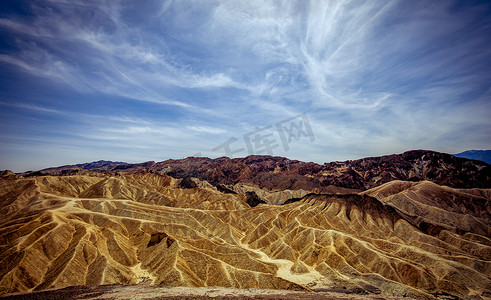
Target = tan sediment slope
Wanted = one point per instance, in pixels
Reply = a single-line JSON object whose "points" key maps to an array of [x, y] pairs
{"points": [[461, 210], [83, 230]]}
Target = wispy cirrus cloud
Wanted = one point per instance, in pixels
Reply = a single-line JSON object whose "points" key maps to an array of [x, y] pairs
{"points": [[374, 77], [206, 129], [30, 106]]}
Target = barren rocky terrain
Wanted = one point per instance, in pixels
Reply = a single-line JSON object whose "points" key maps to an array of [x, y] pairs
{"points": [[150, 292], [258, 222]]}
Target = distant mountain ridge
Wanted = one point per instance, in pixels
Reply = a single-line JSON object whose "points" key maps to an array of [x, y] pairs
{"points": [[279, 173], [93, 165], [482, 155], [99, 166]]}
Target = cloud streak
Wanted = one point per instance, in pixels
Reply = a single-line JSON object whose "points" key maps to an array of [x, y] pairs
{"points": [[180, 77]]}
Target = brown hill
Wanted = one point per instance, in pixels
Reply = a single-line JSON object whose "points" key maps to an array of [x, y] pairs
{"points": [[279, 173], [403, 238]]}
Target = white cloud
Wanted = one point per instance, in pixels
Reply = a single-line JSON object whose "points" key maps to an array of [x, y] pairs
{"points": [[207, 129], [373, 76], [33, 107]]}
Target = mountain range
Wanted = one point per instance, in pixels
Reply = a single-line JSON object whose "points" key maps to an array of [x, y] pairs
{"points": [[483, 155], [416, 224]]}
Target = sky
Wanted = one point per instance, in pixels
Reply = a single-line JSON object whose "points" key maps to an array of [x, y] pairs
{"points": [[314, 81]]}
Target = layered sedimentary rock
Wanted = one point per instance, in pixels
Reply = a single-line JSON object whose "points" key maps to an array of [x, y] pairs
{"points": [[458, 210], [404, 238]]}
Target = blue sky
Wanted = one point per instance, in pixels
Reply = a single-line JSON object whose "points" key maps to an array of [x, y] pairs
{"points": [[150, 80]]}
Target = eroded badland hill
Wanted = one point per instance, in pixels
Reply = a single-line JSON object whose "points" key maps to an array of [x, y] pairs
{"points": [[415, 224]]}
